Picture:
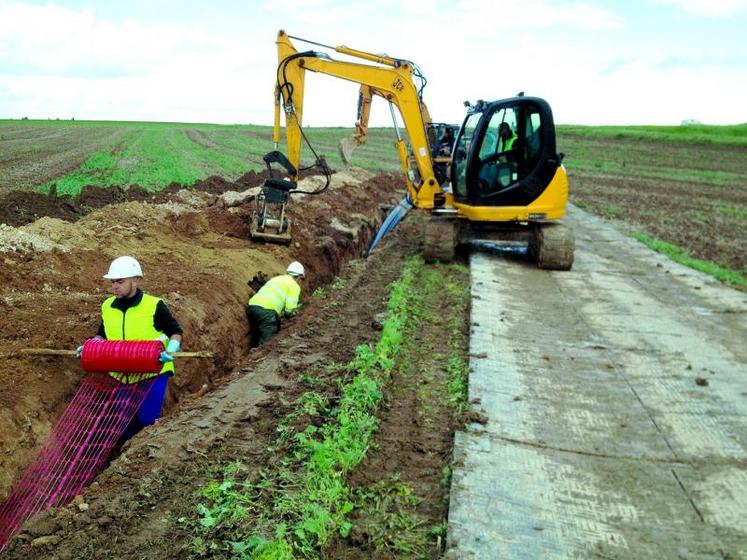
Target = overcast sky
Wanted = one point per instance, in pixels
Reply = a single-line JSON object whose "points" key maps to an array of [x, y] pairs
{"points": [[596, 62]]}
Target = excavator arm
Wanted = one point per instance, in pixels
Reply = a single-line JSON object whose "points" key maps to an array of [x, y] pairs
{"points": [[390, 78], [348, 144]]}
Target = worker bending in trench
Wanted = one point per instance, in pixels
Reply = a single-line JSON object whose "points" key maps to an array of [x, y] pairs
{"points": [[131, 314], [279, 296]]}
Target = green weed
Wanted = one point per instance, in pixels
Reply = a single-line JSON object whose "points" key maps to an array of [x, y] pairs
{"points": [[681, 256], [733, 211], [308, 490], [581, 204], [614, 211], [385, 510]]}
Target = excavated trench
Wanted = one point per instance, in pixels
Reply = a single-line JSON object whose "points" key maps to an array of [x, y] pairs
{"points": [[194, 247]]}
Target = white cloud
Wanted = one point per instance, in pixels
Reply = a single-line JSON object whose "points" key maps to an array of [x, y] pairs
{"points": [[587, 61], [56, 62], [533, 14], [709, 8]]}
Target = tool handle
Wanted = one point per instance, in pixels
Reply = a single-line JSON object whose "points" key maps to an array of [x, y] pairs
{"points": [[200, 354], [55, 352], [46, 352]]}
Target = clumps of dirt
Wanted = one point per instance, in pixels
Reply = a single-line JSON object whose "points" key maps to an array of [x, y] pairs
{"points": [[18, 208], [15, 240], [196, 255], [257, 281]]}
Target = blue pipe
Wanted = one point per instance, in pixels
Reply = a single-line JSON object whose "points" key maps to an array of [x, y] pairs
{"points": [[395, 216]]}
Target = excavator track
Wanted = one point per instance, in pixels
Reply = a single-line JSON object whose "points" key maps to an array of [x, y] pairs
{"points": [[552, 246]]}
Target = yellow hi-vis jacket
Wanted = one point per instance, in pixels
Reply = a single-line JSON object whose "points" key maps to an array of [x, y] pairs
{"points": [[136, 323], [279, 294]]}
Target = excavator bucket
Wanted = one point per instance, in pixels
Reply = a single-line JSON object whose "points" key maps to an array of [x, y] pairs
{"points": [[346, 146]]}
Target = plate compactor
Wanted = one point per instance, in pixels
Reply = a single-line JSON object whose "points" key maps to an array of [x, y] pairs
{"points": [[269, 222]]}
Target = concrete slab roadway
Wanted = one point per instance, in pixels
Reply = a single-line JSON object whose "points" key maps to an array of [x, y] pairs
{"points": [[616, 398]]}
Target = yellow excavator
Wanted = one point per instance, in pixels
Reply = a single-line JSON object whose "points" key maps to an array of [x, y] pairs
{"points": [[505, 185]]}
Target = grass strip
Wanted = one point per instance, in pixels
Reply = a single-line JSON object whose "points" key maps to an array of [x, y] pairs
{"points": [[731, 135], [308, 490], [681, 256]]}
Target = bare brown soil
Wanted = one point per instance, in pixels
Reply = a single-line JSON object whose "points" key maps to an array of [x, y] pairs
{"points": [[196, 255], [705, 217], [135, 505], [22, 207]]}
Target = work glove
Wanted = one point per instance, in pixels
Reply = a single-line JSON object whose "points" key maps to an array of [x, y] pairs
{"points": [[171, 347], [78, 352]]}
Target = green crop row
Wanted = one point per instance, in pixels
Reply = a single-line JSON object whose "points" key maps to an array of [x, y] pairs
{"points": [[671, 174], [313, 497], [153, 157], [156, 156]]}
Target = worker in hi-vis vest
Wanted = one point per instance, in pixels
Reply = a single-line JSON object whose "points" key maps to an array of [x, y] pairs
{"points": [[506, 137], [279, 296], [131, 314]]}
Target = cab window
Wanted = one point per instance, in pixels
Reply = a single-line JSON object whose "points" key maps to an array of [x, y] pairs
{"points": [[500, 134], [459, 157]]}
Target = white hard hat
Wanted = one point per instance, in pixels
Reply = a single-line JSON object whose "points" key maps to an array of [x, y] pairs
{"points": [[123, 267], [295, 269]]}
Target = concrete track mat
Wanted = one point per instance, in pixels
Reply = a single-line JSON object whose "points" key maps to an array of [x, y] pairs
{"points": [[616, 397]]}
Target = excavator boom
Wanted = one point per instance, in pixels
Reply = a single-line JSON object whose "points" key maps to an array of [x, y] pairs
{"points": [[390, 78]]}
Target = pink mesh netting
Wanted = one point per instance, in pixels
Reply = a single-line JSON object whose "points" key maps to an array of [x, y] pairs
{"points": [[77, 448]]}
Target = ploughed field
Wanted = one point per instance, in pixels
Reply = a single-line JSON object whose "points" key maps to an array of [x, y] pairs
{"points": [[224, 473], [690, 194], [683, 186]]}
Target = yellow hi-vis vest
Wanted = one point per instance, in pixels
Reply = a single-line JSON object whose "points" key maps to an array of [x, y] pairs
{"points": [[279, 294], [136, 323], [508, 143]]}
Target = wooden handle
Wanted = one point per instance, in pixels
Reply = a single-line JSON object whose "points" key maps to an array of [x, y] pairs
{"points": [[55, 352], [46, 352], [200, 354]]}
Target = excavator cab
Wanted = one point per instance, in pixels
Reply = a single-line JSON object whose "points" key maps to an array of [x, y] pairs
{"points": [[508, 181], [505, 154]]}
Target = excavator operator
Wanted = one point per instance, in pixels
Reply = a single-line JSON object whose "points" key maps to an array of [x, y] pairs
{"points": [[506, 136]]}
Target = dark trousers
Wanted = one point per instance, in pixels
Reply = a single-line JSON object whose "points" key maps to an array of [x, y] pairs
{"points": [[263, 324], [147, 414]]}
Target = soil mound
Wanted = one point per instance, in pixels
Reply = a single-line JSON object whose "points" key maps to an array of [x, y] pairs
{"points": [[18, 208], [196, 255]]}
